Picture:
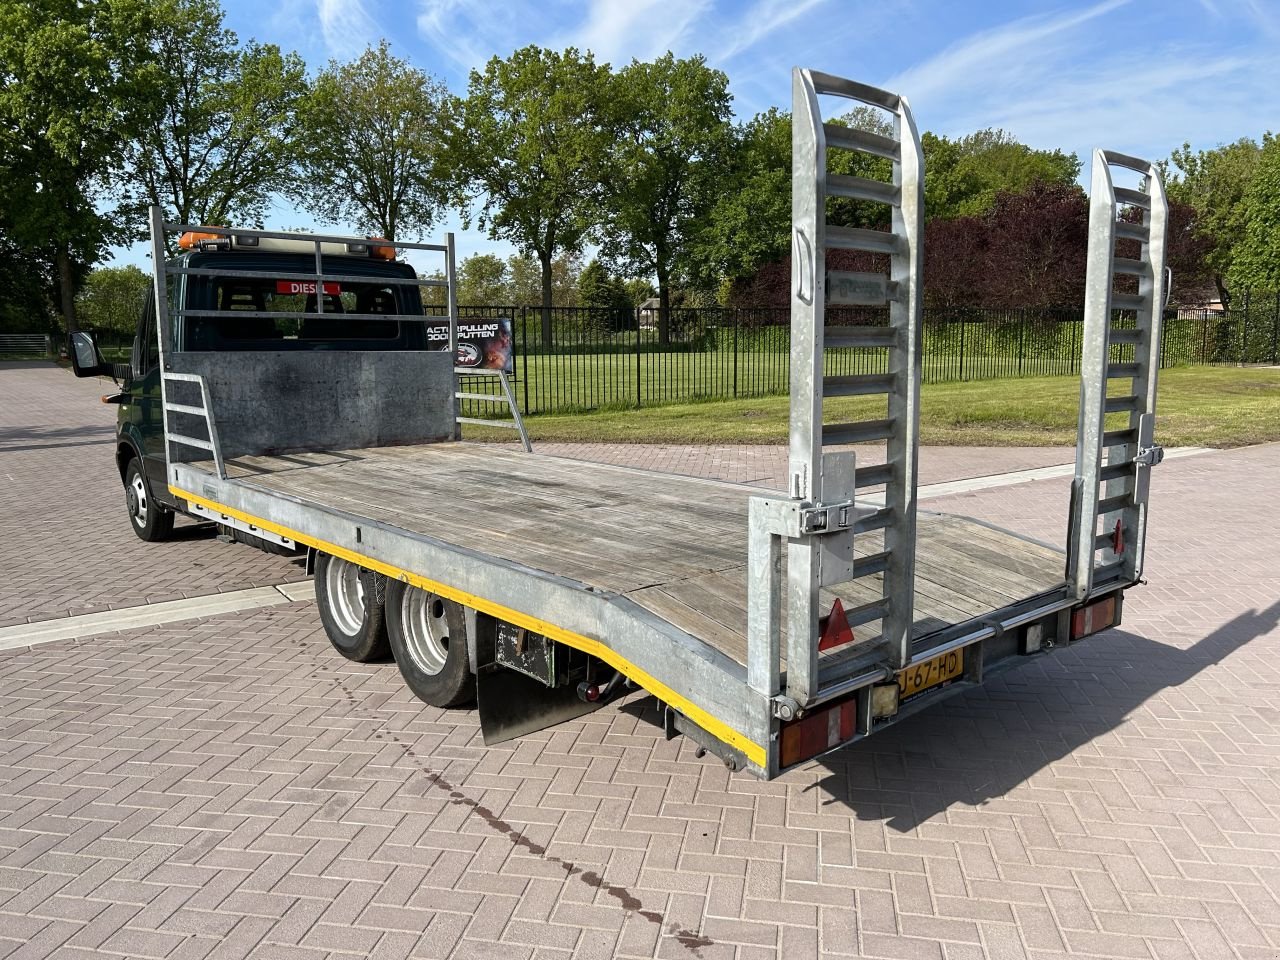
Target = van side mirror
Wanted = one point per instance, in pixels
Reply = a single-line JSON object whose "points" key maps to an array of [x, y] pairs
{"points": [[86, 361]]}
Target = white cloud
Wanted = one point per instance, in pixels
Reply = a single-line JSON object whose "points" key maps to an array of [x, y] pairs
{"points": [[618, 30], [347, 26], [760, 21], [1074, 82], [997, 58], [469, 34]]}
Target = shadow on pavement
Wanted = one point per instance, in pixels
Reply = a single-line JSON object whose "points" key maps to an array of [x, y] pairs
{"points": [[986, 741], [18, 439]]}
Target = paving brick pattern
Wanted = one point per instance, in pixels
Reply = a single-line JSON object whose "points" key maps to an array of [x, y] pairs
{"points": [[64, 534], [233, 788], [767, 465]]}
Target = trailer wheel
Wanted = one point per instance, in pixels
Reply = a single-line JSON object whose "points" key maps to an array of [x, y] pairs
{"points": [[150, 521], [429, 640], [350, 598]]}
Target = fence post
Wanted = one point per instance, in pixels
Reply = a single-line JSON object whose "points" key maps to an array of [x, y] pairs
{"points": [[1244, 327], [962, 347], [524, 353], [737, 321], [1275, 331], [639, 400], [1022, 335]]}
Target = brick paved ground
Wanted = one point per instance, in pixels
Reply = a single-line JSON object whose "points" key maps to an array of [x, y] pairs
{"points": [[767, 465], [232, 788], [65, 540]]}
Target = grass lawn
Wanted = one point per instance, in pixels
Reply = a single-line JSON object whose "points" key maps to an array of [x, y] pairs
{"points": [[1202, 406]]}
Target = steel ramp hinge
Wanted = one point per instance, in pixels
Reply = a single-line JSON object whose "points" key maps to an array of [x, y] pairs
{"points": [[1149, 456], [785, 708], [799, 518]]}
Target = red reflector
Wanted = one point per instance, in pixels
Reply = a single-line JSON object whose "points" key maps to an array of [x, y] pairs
{"points": [[305, 286], [1093, 618], [1117, 539], [835, 631], [818, 732]]}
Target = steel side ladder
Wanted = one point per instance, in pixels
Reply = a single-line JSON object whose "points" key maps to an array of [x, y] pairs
{"points": [[817, 520], [1114, 459]]}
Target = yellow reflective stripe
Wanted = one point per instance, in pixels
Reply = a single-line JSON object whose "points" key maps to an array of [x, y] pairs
{"points": [[718, 729]]}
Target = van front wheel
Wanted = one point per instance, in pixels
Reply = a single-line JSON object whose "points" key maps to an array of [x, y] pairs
{"points": [[150, 521]]}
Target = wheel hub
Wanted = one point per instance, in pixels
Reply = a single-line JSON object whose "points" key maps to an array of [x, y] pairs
{"points": [[426, 630], [135, 496], [345, 588]]}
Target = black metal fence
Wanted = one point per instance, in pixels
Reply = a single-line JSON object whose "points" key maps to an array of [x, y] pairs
{"points": [[590, 359]]}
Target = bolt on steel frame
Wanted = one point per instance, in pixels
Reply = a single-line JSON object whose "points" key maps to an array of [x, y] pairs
{"points": [[1113, 466]]}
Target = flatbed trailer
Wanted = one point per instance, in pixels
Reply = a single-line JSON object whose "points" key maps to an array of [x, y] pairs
{"points": [[774, 626]]}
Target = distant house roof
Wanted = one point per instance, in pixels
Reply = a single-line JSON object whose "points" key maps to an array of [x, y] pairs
{"points": [[653, 303]]}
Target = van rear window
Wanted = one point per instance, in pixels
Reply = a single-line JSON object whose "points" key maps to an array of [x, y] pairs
{"points": [[250, 303]]}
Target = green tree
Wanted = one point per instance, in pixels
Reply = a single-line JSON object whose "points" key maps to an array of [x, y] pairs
{"points": [[526, 280], [597, 287], [529, 148], [24, 286], [963, 176], [750, 224], [1215, 183], [221, 147], [112, 297], [433, 296], [1256, 259], [638, 290], [482, 280], [77, 81], [672, 136], [369, 145], [606, 294]]}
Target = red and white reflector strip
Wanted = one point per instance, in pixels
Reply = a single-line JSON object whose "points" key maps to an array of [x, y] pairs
{"points": [[1093, 618], [306, 286], [818, 732]]}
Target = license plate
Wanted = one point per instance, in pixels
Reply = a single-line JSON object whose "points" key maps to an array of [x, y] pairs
{"points": [[935, 672]]}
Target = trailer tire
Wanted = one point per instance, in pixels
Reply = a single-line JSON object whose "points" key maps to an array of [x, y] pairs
{"points": [[149, 520], [350, 598], [429, 641]]}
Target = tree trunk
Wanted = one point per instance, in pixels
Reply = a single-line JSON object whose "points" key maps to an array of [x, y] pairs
{"points": [[66, 287], [545, 260], [664, 305], [1223, 294]]}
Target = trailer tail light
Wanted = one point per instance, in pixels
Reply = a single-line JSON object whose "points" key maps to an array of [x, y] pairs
{"points": [[1093, 618], [818, 732]]}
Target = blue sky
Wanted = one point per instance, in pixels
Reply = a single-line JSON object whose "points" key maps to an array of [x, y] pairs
{"points": [[1139, 76]]}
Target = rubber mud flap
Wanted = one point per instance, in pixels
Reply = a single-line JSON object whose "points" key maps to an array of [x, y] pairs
{"points": [[511, 704]]}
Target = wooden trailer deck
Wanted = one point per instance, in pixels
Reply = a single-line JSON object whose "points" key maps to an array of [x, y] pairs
{"points": [[674, 545]]}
